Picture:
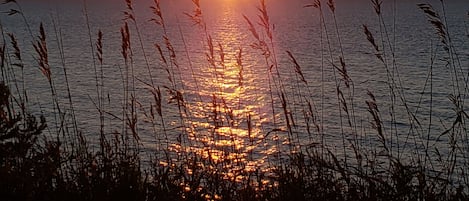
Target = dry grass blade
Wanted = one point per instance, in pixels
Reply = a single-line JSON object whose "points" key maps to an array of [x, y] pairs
{"points": [[129, 13], [263, 10], [156, 9], [264, 19], [196, 2], [210, 55], [125, 34], [313, 116], [157, 96], [372, 106], [338, 166], [284, 103], [160, 51], [260, 44], [239, 64], [175, 95], [132, 119], [2, 55], [252, 28], [12, 12], [376, 123], [371, 39], [170, 48], [41, 50], [8, 1], [297, 67], [17, 52], [377, 6], [343, 72], [428, 9], [437, 23], [343, 102], [196, 17], [222, 54], [99, 47], [165, 61], [316, 4], [331, 5], [129, 4]]}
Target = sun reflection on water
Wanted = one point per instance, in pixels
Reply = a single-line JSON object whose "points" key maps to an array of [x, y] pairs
{"points": [[229, 106]]}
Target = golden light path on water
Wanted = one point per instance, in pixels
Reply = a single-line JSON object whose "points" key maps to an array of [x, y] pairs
{"points": [[231, 102]]}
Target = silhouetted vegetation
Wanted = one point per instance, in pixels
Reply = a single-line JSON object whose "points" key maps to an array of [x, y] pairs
{"points": [[51, 159]]}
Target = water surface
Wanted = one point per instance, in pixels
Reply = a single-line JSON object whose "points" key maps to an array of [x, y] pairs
{"points": [[232, 109]]}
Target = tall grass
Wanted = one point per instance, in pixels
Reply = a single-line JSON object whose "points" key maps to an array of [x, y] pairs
{"points": [[44, 158]]}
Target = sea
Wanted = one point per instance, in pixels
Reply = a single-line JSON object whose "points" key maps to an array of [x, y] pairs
{"points": [[231, 79]]}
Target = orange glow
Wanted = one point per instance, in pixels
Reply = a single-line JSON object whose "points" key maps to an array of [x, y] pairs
{"points": [[231, 93]]}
